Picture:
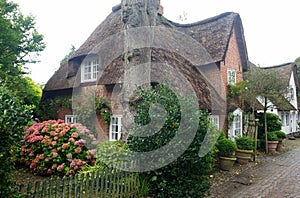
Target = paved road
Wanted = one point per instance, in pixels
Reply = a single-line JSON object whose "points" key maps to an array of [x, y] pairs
{"points": [[276, 178]]}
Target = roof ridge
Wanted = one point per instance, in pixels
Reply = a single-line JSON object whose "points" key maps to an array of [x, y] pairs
{"points": [[205, 21], [281, 65]]}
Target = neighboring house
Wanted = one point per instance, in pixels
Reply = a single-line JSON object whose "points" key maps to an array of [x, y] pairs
{"points": [[288, 109], [222, 37]]}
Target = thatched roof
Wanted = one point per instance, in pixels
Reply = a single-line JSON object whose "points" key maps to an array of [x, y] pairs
{"points": [[213, 34], [285, 71]]}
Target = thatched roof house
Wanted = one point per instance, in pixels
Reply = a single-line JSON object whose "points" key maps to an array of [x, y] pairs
{"points": [[214, 34], [288, 74]]}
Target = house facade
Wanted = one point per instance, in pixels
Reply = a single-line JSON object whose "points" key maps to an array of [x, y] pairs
{"points": [[93, 69], [288, 110]]}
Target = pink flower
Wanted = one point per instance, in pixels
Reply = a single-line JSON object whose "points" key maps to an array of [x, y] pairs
{"points": [[31, 155], [55, 138], [77, 150], [80, 142], [65, 146], [60, 167], [93, 152], [91, 136], [55, 155], [72, 140], [53, 133], [69, 156], [75, 135], [54, 166], [49, 171], [54, 143], [41, 156]]}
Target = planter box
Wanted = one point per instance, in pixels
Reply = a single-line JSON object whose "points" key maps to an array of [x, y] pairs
{"points": [[279, 146], [272, 146], [243, 156], [226, 163]]}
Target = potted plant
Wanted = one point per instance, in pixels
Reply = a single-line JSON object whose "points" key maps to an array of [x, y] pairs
{"points": [[281, 136], [226, 149], [245, 146], [272, 142]]}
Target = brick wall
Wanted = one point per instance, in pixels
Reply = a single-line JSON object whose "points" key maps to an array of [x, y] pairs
{"points": [[232, 61]]}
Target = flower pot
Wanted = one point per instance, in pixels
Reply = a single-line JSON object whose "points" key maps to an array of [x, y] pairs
{"points": [[243, 160], [243, 156], [226, 163], [272, 145], [279, 146]]}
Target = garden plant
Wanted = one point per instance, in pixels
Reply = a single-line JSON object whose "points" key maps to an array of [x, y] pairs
{"points": [[55, 147]]}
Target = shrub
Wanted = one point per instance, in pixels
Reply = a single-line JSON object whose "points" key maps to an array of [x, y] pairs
{"points": [[244, 143], [225, 147], [272, 136], [186, 176], [13, 118], [280, 134], [274, 123], [55, 147]]}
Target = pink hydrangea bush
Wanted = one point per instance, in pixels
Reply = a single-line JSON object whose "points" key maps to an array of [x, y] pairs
{"points": [[55, 147]]}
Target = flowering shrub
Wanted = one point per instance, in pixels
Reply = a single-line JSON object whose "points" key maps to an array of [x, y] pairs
{"points": [[55, 147]]}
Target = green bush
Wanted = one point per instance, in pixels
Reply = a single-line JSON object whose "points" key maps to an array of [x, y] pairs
{"points": [[186, 176], [272, 136], [225, 147], [244, 143], [273, 123], [280, 134], [13, 118]]}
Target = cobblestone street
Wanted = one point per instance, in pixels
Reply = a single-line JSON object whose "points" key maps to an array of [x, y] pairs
{"points": [[276, 177]]}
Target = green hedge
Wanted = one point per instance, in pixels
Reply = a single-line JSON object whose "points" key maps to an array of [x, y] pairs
{"points": [[186, 176]]}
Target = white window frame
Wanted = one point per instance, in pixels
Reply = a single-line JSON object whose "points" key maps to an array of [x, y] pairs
{"points": [[287, 119], [70, 119], [90, 69], [115, 128], [237, 125], [215, 119], [282, 117], [231, 76]]}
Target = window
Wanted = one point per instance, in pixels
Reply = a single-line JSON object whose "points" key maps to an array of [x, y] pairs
{"points": [[287, 119], [115, 128], [90, 69], [70, 119], [237, 125], [214, 119], [282, 118], [292, 93], [231, 77]]}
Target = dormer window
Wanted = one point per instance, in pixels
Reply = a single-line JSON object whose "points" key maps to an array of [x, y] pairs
{"points": [[90, 69]]}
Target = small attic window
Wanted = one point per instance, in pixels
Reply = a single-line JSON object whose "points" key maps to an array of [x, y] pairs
{"points": [[89, 69]]}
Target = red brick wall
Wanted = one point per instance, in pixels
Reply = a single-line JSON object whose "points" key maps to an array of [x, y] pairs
{"points": [[232, 61]]}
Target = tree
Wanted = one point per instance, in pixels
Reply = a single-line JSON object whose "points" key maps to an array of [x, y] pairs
{"points": [[28, 91], [297, 61], [266, 86], [13, 118], [66, 58], [20, 43]]}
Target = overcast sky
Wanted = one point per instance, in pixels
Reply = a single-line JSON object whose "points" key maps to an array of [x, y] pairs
{"points": [[271, 27]]}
